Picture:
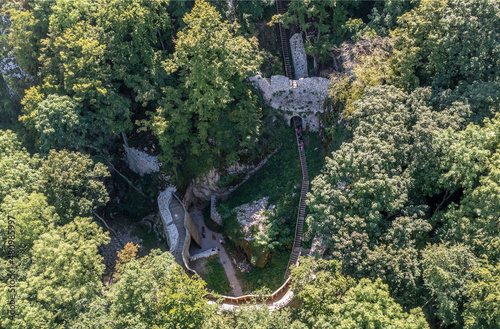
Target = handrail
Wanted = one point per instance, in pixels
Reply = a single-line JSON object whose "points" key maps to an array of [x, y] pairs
{"points": [[298, 232], [305, 181], [242, 299], [236, 301], [186, 242], [284, 41]]}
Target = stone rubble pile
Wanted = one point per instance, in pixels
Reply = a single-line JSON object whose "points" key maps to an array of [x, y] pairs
{"points": [[253, 214], [243, 264]]}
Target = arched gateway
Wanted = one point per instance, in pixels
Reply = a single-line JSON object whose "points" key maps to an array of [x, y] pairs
{"points": [[296, 122]]}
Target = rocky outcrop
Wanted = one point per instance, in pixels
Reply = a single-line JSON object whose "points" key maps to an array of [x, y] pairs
{"points": [[252, 218], [253, 214], [206, 185], [9, 68], [257, 256], [318, 248], [299, 57]]}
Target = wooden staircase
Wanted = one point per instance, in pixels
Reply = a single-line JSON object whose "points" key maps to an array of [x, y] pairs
{"points": [[297, 242], [281, 8]]}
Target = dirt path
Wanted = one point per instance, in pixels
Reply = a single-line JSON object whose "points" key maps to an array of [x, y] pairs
{"points": [[209, 242]]}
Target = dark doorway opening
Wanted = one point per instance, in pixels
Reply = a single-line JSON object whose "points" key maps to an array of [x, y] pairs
{"points": [[296, 122]]}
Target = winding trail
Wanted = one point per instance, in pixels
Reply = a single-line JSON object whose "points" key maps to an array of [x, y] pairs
{"points": [[279, 298], [209, 243], [283, 295]]}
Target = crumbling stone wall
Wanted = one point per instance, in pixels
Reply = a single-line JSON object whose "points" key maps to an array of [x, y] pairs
{"points": [[141, 162], [170, 232], [299, 57], [303, 97], [214, 214]]}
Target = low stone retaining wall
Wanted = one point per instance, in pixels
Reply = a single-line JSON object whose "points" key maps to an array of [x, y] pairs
{"points": [[169, 229], [205, 254], [214, 214]]}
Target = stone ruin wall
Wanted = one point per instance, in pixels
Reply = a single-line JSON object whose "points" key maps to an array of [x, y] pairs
{"points": [[214, 214], [170, 232], [141, 162], [303, 97], [299, 57]]}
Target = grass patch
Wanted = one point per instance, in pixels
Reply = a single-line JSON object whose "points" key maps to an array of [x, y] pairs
{"points": [[279, 179], [216, 278], [314, 155], [276, 178], [269, 277]]}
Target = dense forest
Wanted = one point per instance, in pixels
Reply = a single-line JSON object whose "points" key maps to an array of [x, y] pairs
{"points": [[405, 199]]}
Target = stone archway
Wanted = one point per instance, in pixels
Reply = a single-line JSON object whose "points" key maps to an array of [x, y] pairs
{"points": [[296, 121]]}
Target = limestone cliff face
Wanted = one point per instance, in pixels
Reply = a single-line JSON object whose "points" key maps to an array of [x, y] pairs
{"points": [[206, 185]]}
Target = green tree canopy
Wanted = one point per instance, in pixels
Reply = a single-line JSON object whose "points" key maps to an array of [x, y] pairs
{"points": [[18, 170], [331, 299], [73, 184], [446, 270], [59, 124], [32, 217], [470, 162], [213, 114], [447, 43], [483, 307], [64, 276], [137, 35], [155, 292]]}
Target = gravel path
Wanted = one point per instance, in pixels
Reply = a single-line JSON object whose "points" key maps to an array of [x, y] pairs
{"points": [[209, 242]]}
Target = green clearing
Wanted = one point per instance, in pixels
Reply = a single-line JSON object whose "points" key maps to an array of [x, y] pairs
{"points": [[216, 277], [268, 278], [280, 180]]}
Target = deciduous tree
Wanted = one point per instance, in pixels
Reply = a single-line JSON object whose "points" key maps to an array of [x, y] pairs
{"points": [[73, 184], [213, 114]]}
